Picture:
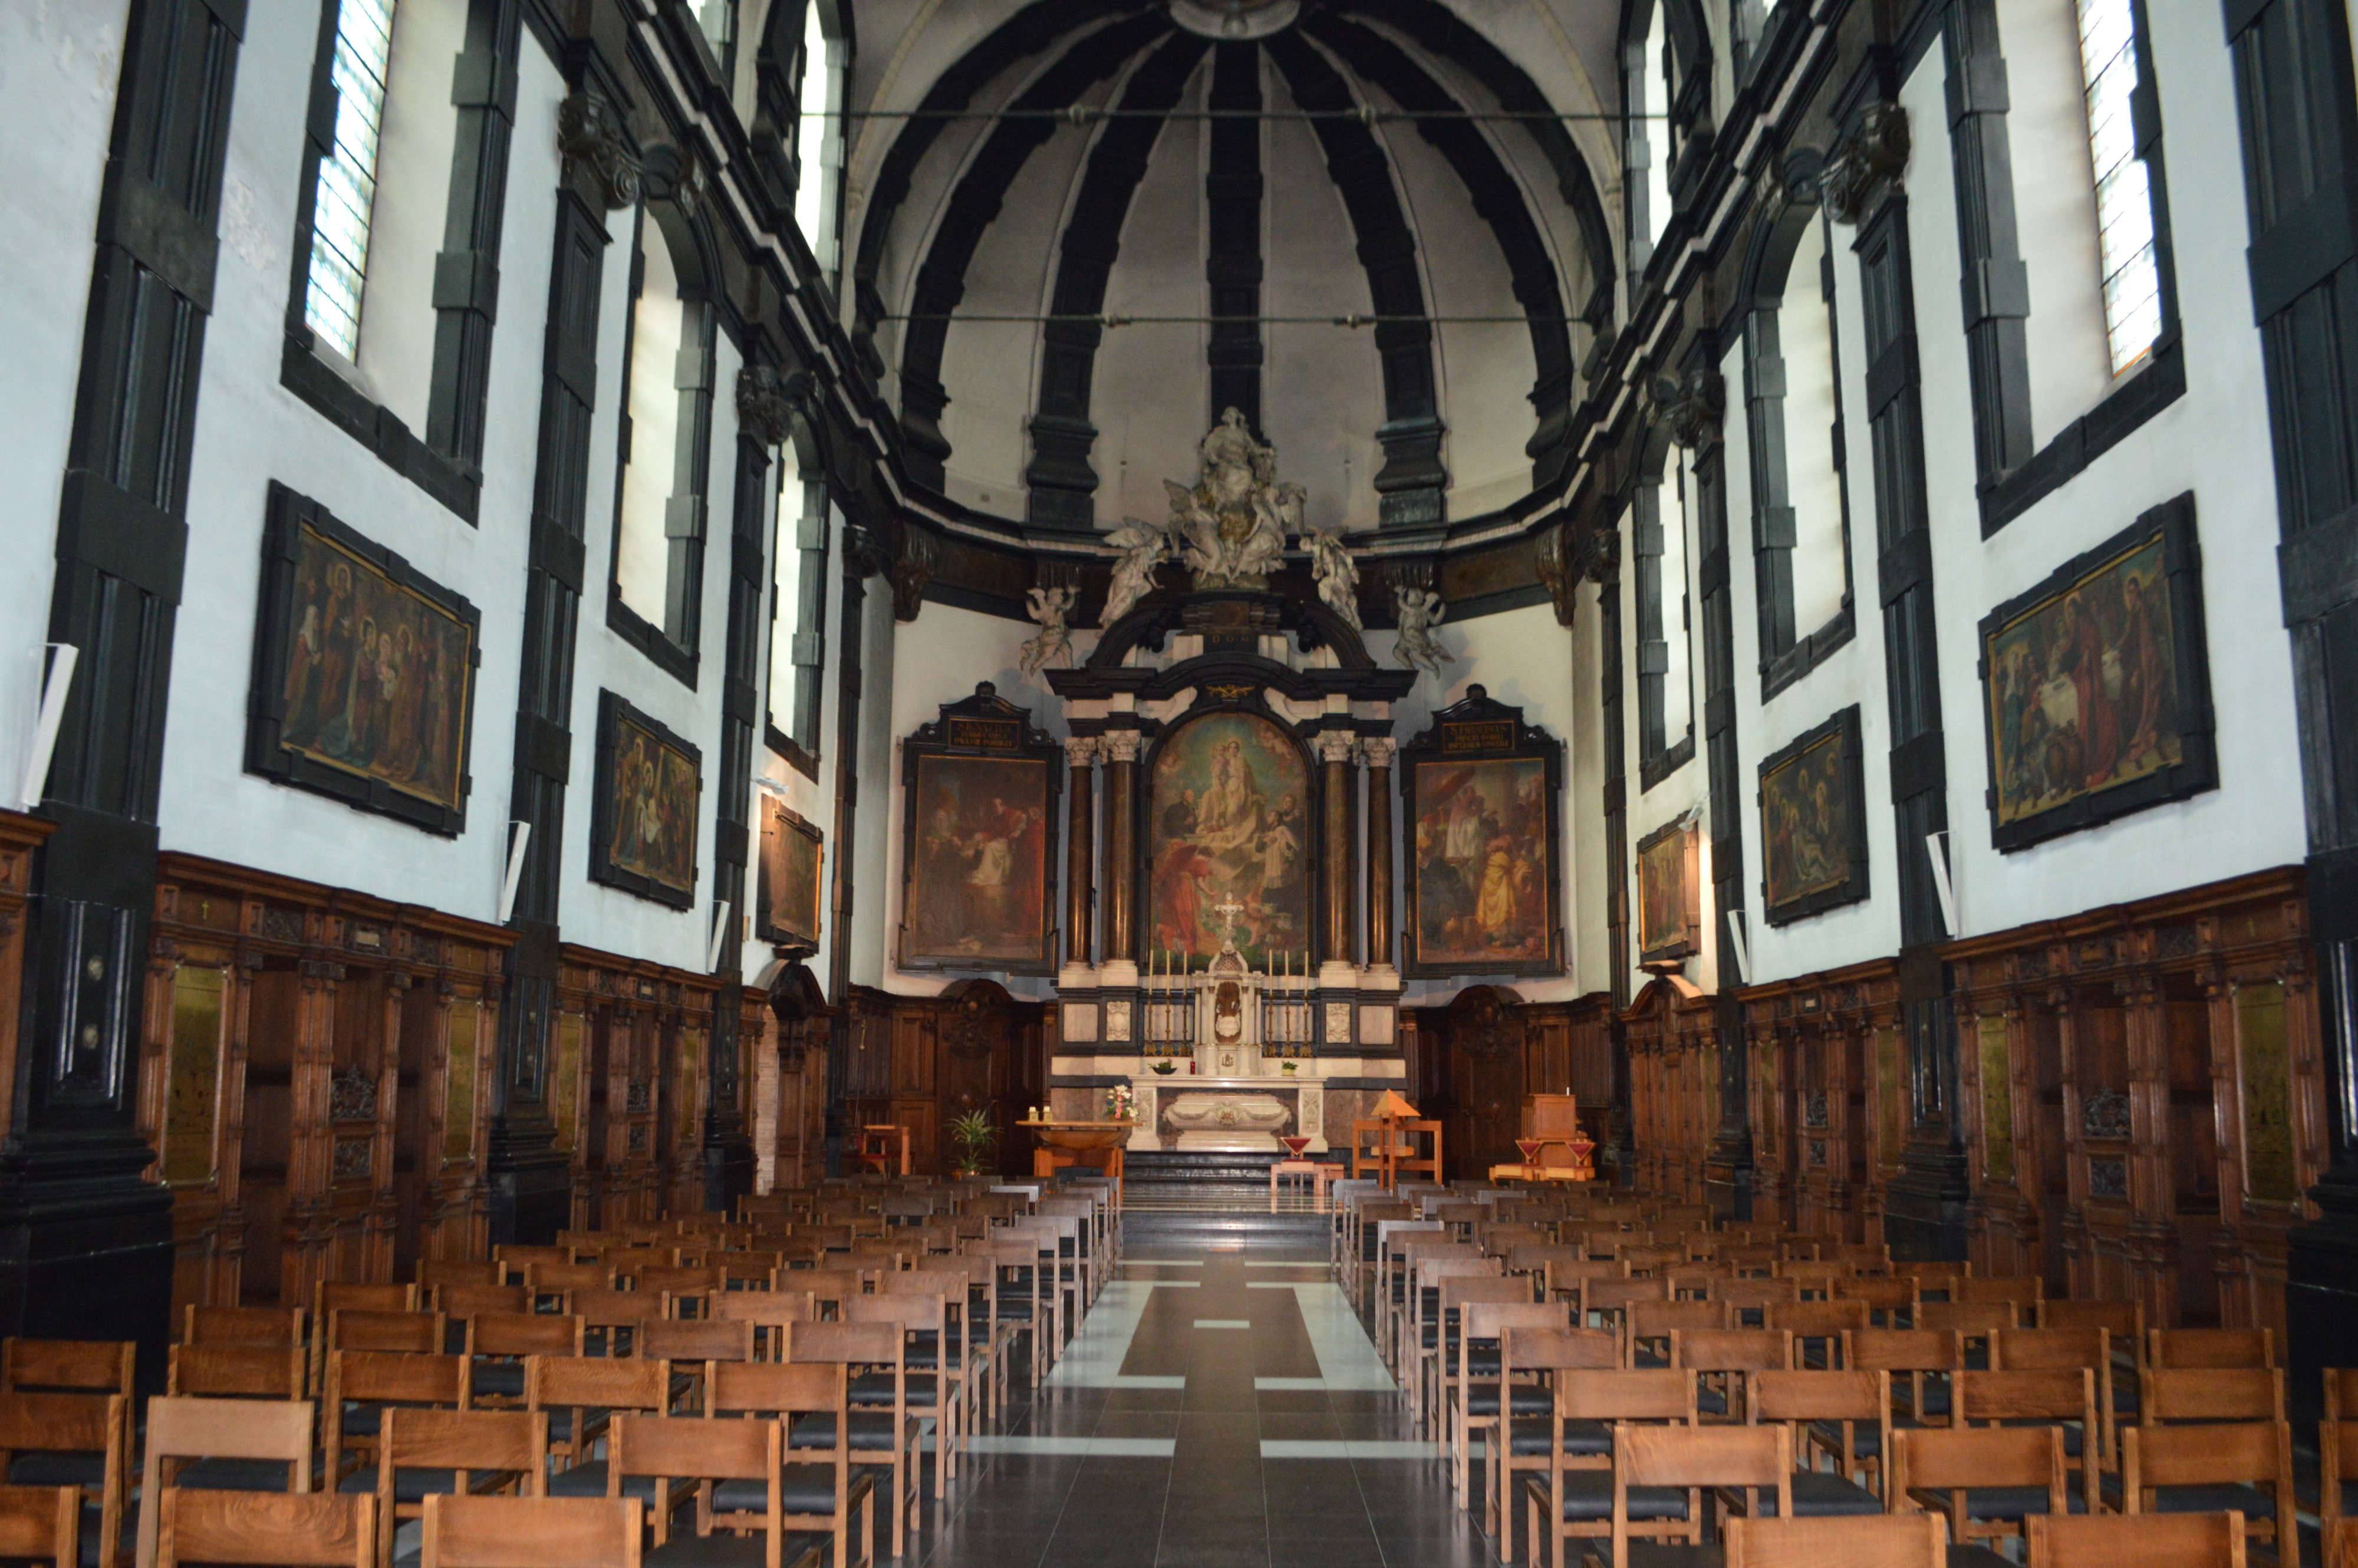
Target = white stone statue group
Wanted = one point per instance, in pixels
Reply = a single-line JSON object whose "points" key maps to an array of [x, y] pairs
{"points": [[1230, 531]]}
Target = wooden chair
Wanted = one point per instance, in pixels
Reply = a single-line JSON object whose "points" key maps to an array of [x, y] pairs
{"points": [[431, 1452], [1986, 1479], [543, 1280], [1652, 1465], [1592, 1409], [82, 1441], [579, 1395], [394, 1333], [2212, 1393], [873, 1346], [2337, 1458], [2022, 1292], [234, 1372], [497, 1344], [247, 1445], [2124, 1321], [1723, 1360], [822, 1489], [769, 1312], [41, 1524], [689, 1346], [464, 1301], [954, 1352], [1430, 1352], [2243, 1465], [269, 1530], [731, 1467], [532, 1532], [2046, 1349], [1826, 1412], [611, 1319], [259, 1326], [2062, 1396], [919, 1391], [2210, 1347], [1890, 1541], [67, 1366], [2148, 1540], [1821, 1324], [1604, 1304], [1535, 1441], [1472, 1400], [1747, 1300], [1647, 1327], [370, 1381], [1891, 1301]]}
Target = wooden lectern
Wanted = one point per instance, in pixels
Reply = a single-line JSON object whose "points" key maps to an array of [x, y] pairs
{"points": [[1555, 1148]]}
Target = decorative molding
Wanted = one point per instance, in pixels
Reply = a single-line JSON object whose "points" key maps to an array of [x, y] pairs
{"points": [[352, 1095], [1865, 164], [912, 573], [2105, 1114], [1693, 407], [590, 133], [767, 401]]}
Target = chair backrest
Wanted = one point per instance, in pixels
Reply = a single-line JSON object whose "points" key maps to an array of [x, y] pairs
{"points": [[2210, 1393], [473, 1443], [42, 1524], [532, 1532], [401, 1333], [1976, 1320], [67, 1366], [1731, 1349], [2023, 1292], [696, 1340], [1849, 1395], [2210, 1347], [2148, 1540], [1866, 1541], [1815, 1320], [549, 1278], [218, 1429], [1957, 1458], [1646, 1393], [2030, 1349], [2257, 1453], [339, 1296], [467, 1300], [1751, 1459], [1902, 1350], [676, 1448], [382, 1377], [267, 1326], [777, 1387], [235, 1371], [2124, 1321], [523, 1334], [580, 1383], [279, 1529], [435, 1274], [1553, 1348]]}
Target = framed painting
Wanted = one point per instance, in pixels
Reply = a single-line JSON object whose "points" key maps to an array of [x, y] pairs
{"points": [[1229, 838], [2096, 688], [364, 672], [978, 863], [643, 808], [1669, 896], [790, 891], [1483, 795], [1813, 822]]}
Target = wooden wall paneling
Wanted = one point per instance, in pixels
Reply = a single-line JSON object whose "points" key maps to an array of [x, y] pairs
{"points": [[190, 1094], [795, 1026], [1826, 1052], [1772, 1122], [1673, 1087]]}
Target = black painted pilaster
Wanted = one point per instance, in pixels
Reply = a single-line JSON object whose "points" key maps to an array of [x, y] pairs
{"points": [[1605, 570], [85, 1241], [1997, 286], [1729, 1177]]}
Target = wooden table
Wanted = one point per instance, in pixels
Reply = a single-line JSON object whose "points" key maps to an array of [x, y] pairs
{"points": [[876, 1146], [1320, 1172], [1096, 1144]]}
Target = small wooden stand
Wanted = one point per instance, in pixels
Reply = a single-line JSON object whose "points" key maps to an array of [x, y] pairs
{"points": [[1395, 1148], [877, 1143]]}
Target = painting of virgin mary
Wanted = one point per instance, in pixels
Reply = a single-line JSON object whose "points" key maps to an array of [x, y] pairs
{"points": [[1225, 851]]}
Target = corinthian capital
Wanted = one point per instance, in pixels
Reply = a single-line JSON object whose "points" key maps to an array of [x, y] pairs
{"points": [[1336, 745], [1118, 745], [1378, 751], [1082, 749]]}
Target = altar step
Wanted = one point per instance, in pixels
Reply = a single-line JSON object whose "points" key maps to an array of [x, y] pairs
{"points": [[1214, 1198]]}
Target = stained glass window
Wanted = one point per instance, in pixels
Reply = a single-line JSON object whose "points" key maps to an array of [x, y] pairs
{"points": [[2108, 65], [339, 226]]}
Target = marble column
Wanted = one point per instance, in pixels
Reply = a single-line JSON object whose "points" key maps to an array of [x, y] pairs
{"points": [[1378, 755], [1338, 858], [1119, 748], [1080, 848]]}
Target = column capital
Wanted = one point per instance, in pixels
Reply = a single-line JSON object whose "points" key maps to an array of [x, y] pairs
{"points": [[1118, 745], [1082, 749], [1378, 751], [1335, 745]]}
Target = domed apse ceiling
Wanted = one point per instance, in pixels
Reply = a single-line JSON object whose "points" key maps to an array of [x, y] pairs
{"points": [[1262, 172]]}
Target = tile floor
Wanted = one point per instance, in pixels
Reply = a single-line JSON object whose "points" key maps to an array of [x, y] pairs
{"points": [[1221, 1408]]}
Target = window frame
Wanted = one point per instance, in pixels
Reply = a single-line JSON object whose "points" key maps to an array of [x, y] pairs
{"points": [[1658, 756], [800, 746]]}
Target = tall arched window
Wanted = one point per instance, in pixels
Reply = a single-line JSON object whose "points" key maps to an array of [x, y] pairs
{"points": [[798, 599], [819, 137], [665, 431], [2132, 272], [1647, 142], [347, 182]]}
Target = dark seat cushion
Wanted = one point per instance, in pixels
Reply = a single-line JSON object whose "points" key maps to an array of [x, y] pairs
{"points": [[53, 1468], [499, 1380], [1821, 1494], [1966, 1556], [1657, 1554], [2011, 1502], [590, 1481], [1588, 1498], [2254, 1502], [1527, 1399], [871, 1432], [876, 1388], [714, 1551], [412, 1485], [236, 1475]]}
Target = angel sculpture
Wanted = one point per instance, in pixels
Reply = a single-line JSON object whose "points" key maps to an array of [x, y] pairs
{"points": [[1336, 573], [1194, 525], [1144, 547], [1421, 610], [1049, 607]]}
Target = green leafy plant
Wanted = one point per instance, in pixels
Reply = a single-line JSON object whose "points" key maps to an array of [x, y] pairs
{"points": [[972, 1134]]}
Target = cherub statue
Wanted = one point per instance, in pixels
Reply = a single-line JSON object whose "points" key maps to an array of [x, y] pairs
{"points": [[1421, 610], [1336, 573], [1049, 607], [1144, 547]]}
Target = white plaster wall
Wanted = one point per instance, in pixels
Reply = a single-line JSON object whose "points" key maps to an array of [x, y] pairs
{"points": [[871, 932], [250, 431], [810, 796], [2213, 440], [938, 658], [408, 217], [59, 64], [1584, 807]]}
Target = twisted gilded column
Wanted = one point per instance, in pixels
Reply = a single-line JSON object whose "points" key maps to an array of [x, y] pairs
{"points": [[1378, 753], [1080, 847], [1119, 748], [1338, 858]]}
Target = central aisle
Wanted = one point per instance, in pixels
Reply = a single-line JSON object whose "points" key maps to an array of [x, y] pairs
{"points": [[1222, 1408]]}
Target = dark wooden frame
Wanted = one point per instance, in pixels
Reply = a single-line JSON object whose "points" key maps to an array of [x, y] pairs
{"points": [[1477, 729], [2198, 767], [1248, 696], [1672, 955], [790, 943], [287, 516], [1843, 730], [612, 711], [985, 726]]}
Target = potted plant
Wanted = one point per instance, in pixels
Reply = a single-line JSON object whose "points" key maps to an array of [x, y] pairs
{"points": [[972, 1136]]}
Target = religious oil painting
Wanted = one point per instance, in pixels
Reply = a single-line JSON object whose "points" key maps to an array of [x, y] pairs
{"points": [[1229, 842], [1669, 916], [790, 878], [1481, 830], [2098, 701], [364, 672], [978, 885], [1481, 862], [1812, 827], [979, 846], [643, 826]]}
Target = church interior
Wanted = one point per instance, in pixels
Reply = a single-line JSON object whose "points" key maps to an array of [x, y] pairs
{"points": [[1226, 906]]}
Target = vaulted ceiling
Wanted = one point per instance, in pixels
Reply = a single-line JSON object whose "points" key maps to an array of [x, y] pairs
{"points": [[1261, 158]]}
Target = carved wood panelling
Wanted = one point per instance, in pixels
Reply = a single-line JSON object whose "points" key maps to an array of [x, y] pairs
{"points": [[918, 1062], [1828, 1108], [1472, 1060]]}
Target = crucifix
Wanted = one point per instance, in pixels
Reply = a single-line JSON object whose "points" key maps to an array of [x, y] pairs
{"points": [[1231, 909]]}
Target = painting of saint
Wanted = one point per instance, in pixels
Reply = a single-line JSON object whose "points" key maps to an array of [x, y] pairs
{"points": [[377, 676], [1805, 808], [978, 894], [790, 895], [1481, 862], [1227, 840], [1666, 905], [652, 830], [2083, 687]]}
